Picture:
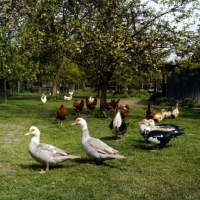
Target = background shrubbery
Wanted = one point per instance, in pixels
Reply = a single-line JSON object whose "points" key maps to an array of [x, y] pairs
{"points": [[143, 94], [186, 103]]}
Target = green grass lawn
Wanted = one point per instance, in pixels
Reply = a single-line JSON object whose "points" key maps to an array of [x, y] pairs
{"points": [[169, 173]]}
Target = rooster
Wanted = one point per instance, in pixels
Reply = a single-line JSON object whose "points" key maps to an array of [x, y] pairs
{"points": [[91, 105], [150, 112], [61, 114], [78, 106]]}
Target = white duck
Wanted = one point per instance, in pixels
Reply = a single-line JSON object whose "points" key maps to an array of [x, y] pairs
{"points": [[68, 98], [72, 92], [45, 153], [91, 99], [118, 125], [142, 126], [95, 148], [44, 98]]}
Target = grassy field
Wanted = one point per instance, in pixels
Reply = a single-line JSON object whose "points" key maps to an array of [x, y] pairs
{"points": [[169, 173]]}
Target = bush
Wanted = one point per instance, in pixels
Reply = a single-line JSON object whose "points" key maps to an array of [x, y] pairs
{"points": [[143, 94], [186, 103], [122, 94]]}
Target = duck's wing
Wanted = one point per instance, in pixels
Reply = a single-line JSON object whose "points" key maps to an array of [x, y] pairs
{"points": [[100, 146], [170, 128], [54, 151], [164, 134]]}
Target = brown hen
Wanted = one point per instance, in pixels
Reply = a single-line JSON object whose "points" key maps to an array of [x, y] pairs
{"points": [[150, 113], [124, 110], [78, 106], [91, 105], [116, 102], [61, 114], [111, 105]]}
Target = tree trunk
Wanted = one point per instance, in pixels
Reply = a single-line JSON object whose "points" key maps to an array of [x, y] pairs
{"points": [[54, 87], [164, 85], [4, 91], [18, 87], [83, 84], [103, 97]]}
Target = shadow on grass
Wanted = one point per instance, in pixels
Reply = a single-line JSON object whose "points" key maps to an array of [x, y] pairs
{"points": [[39, 166], [147, 146]]}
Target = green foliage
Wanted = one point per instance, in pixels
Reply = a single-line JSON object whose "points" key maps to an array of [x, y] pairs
{"points": [[143, 94], [168, 173], [122, 94], [186, 103], [166, 101], [55, 98], [99, 114]]}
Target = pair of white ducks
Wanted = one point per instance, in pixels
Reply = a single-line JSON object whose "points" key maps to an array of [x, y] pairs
{"points": [[159, 134], [50, 155]]}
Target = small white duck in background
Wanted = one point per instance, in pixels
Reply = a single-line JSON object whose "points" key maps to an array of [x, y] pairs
{"points": [[46, 154], [68, 98], [91, 99], [72, 92], [44, 98], [95, 148]]}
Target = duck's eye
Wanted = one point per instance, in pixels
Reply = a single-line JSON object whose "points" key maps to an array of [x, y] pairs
{"points": [[32, 130]]}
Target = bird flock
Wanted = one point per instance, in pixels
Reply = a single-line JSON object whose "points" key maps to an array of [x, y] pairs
{"points": [[98, 151]]}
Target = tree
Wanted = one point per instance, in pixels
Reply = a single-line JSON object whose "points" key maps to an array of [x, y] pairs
{"points": [[43, 35], [107, 39], [11, 14], [119, 36]]}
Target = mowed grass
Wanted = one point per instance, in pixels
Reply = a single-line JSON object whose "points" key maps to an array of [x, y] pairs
{"points": [[169, 173]]}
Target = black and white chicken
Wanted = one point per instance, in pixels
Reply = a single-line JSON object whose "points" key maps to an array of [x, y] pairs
{"points": [[118, 125]]}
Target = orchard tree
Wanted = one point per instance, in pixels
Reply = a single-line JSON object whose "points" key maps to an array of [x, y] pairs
{"points": [[43, 38], [113, 37], [71, 75], [11, 16]]}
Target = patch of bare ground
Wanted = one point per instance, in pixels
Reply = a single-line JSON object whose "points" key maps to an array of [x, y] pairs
{"points": [[9, 135], [138, 102], [10, 139]]}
